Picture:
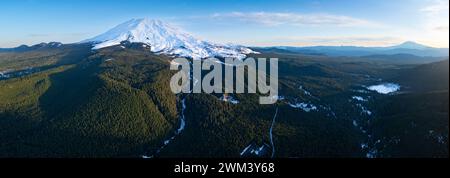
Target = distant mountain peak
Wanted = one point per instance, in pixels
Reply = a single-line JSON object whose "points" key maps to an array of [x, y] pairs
{"points": [[410, 45], [164, 38]]}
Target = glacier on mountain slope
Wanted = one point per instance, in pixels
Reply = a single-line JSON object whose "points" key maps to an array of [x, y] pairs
{"points": [[166, 39]]}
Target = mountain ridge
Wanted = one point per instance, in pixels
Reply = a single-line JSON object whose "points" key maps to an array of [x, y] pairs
{"points": [[407, 47]]}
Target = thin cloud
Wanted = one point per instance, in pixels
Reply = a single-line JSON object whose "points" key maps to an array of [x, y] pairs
{"points": [[441, 28], [276, 19], [437, 7], [436, 20]]}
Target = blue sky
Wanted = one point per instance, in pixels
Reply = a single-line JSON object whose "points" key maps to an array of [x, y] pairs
{"points": [[247, 22]]}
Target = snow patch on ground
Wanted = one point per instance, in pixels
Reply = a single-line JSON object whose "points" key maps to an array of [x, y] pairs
{"points": [[277, 97], [304, 90], [229, 99], [438, 137], [245, 149], [4, 74], [304, 106], [364, 110], [384, 88], [361, 91], [358, 98], [255, 150], [364, 145]]}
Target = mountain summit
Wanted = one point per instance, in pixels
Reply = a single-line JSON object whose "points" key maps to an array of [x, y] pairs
{"points": [[410, 45], [166, 39]]}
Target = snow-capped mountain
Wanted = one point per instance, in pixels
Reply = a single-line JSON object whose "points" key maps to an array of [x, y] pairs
{"points": [[166, 39]]}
